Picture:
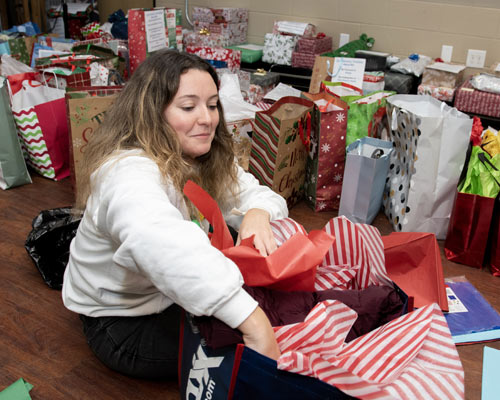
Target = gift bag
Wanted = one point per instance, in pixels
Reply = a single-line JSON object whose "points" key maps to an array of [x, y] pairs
{"points": [[366, 167], [152, 29], [472, 213], [40, 115], [278, 156], [365, 115], [493, 248], [326, 152], [413, 262], [13, 171], [430, 143], [86, 107]]}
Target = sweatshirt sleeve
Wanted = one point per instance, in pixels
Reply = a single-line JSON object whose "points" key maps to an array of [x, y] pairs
{"points": [[154, 239], [254, 195]]}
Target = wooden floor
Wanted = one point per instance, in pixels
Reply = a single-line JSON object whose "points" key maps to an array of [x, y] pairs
{"points": [[43, 343]]}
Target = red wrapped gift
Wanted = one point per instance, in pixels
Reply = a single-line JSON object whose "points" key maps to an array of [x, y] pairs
{"points": [[468, 99], [468, 229], [493, 249], [319, 44], [303, 60], [218, 56]]}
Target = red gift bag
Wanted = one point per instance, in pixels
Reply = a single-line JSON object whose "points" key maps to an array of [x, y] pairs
{"points": [[291, 267], [326, 152], [413, 262], [468, 229], [40, 115], [493, 253]]}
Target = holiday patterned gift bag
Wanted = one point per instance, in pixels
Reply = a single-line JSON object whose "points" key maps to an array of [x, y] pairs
{"points": [[278, 48], [151, 29], [40, 115], [326, 152], [278, 156], [86, 107]]}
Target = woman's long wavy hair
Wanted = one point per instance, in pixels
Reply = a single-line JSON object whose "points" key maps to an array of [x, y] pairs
{"points": [[136, 121]]}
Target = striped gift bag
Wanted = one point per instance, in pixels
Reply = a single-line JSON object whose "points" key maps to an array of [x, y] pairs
{"points": [[278, 156], [40, 115]]}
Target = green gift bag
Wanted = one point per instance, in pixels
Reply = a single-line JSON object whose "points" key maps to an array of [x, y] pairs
{"points": [[482, 178], [366, 115], [13, 171]]}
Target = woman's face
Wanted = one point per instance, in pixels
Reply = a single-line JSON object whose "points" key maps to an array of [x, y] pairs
{"points": [[193, 112]]}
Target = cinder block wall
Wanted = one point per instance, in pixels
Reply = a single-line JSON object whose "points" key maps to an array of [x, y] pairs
{"points": [[400, 27]]}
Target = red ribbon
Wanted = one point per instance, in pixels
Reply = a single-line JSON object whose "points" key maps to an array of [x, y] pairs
{"points": [[307, 139]]}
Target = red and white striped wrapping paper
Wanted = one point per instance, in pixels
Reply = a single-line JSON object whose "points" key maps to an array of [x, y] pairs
{"points": [[411, 357]]}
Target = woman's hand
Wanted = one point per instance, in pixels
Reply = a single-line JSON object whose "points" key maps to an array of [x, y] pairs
{"points": [[258, 334], [256, 222]]}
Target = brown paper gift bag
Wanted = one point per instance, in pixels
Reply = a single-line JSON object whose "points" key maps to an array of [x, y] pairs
{"points": [[86, 107], [320, 72], [278, 156]]}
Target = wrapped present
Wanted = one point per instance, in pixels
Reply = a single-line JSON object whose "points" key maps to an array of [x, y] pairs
{"points": [[303, 60], [443, 74], [278, 48], [235, 32], [261, 83], [317, 45], [204, 38], [19, 50], [218, 57], [220, 15], [400, 83], [294, 28], [264, 78], [349, 49], [373, 81], [62, 78], [439, 92], [375, 60], [250, 53], [470, 100], [151, 29]]}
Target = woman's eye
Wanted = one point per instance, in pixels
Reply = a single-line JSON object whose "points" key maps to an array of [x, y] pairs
{"points": [[187, 108], [212, 106]]}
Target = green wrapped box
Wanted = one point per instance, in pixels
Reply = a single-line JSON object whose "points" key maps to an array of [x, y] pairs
{"points": [[250, 53]]}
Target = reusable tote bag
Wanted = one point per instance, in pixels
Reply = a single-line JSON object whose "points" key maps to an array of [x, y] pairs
{"points": [[430, 142], [326, 152], [278, 156], [367, 164], [13, 171], [40, 115]]}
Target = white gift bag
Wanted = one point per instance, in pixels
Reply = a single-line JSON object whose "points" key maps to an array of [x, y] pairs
{"points": [[430, 143]]}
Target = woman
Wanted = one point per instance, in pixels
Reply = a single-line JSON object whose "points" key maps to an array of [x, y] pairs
{"points": [[137, 257]]}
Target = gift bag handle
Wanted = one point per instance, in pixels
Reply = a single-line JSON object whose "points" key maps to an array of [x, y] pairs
{"points": [[306, 140], [485, 161]]}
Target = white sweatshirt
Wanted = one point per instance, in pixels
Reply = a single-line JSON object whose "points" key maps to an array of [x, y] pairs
{"points": [[136, 250]]}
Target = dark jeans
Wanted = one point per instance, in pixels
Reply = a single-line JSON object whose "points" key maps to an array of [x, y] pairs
{"points": [[143, 347]]}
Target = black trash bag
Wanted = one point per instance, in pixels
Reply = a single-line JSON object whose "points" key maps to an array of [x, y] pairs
{"points": [[49, 240]]}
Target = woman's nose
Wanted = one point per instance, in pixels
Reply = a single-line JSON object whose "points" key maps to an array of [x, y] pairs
{"points": [[204, 116]]}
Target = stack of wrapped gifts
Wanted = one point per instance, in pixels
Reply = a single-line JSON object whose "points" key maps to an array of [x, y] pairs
{"points": [[218, 27]]}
